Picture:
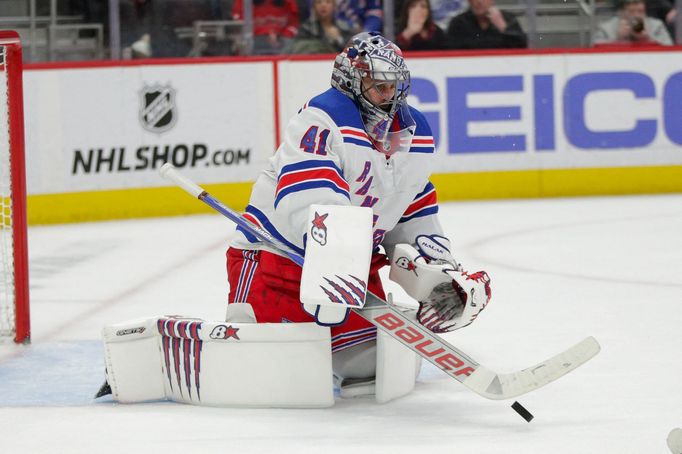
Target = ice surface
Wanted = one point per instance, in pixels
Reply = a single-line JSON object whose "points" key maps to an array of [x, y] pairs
{"points": [[562, 269]]}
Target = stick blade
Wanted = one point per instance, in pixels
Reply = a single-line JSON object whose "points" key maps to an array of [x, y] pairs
{"points": [[505, 386]]}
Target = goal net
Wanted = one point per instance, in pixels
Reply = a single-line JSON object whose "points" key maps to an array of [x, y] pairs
{"points": [[14, 314]]}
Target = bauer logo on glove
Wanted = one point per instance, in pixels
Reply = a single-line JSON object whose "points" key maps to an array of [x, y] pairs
{"points": [[448, 297]]}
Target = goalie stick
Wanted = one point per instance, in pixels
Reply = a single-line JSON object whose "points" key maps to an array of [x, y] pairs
{"points": [[402, 325]]}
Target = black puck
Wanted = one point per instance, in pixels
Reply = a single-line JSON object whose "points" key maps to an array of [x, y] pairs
{"points": [[520, 409]]}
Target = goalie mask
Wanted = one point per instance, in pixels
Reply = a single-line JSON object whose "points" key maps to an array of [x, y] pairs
{"points": [[371, 71]]}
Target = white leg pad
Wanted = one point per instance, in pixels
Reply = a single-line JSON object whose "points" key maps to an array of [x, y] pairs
{"points": [[220, 363], [397, 369], [133, 361]]}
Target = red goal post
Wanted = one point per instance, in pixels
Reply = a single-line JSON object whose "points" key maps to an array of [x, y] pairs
{"points": [[14, 306]]}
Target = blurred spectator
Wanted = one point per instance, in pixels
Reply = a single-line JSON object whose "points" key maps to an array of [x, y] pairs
{"points": [[665, 11], [417, 29], [361, 15], [92, 12], [142, 48], [484, 26], [139, 23], [322, 32], [442, 11], [631, 26], [160, 23], [215, 8], [275, 23]]}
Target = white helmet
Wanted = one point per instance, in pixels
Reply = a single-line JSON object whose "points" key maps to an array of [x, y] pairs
{"points": [[368, 62]]}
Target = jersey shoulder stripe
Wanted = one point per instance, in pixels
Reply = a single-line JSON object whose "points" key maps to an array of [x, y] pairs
{"points": [[424, 204], [422, 142], [356, 136], [305, 175], [309, 164], [310, 184], [345, 114], [340, 108]]}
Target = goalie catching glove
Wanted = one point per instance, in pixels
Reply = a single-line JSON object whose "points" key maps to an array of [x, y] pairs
{"points": [[449, 298]]}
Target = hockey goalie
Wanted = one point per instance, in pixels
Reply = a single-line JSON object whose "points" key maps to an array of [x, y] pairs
{"points": [[360, 145], [349, 190]]}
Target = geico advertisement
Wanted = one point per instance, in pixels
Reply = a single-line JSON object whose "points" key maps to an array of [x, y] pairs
{"points": [[539, 111], [113, 128]]}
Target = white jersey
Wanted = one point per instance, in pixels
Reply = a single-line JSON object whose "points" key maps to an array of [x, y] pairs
{"points": [[326, 157]]}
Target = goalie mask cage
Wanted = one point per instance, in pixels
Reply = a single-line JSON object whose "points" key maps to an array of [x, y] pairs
{"points": [[14, 308]]}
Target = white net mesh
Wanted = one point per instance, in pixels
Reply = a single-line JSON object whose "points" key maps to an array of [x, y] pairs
{"points": [[7, 288]]}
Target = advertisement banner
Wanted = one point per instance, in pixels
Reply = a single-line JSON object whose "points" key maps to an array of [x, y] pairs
{"points": [[514, 125], [535, 111], [113, 127]]}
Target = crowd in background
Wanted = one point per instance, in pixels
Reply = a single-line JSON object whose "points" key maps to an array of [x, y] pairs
{"points": [[635, 25], [150, 28], [324, 26]]}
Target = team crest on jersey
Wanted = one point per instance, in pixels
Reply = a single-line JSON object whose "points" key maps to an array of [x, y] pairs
{"points": [[157, 108], [319, 231]]}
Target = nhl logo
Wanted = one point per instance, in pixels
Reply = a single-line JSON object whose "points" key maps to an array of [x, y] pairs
{"points": [[157, 108]]}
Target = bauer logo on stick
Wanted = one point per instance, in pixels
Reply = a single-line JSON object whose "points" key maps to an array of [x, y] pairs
{"points": [[157, 108], [319, 230]]}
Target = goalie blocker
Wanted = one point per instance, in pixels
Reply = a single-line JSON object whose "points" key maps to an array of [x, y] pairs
{"points": [[338, 252]]}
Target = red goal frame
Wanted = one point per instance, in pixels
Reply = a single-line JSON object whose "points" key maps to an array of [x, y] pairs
{"points": [[13, 58]]}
